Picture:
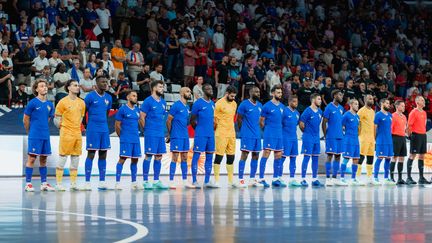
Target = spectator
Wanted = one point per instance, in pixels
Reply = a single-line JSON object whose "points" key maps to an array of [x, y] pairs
{"points": [[189, 55], [105, 23], [75, 72], [54, 61], [40, 62], [221, 77], [5, 85], [5, 57], [108, 65], [197, 89], [87, 84], [219, 43], [135, 60], [201, 62], [22, 35], [71, 38], [118, 56], [123, 87], [23, 63], [60, 79], [275, 79], [143, 80], [304, 95], [91, 64], [173, 51], [40, 22], [76, 19], [157, 73], [20, 97], [248, 82], [52, 13]]}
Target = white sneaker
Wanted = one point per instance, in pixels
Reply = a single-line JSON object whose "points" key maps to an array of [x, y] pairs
{"points": [[60, 188], [172, 185], [341, 182], [136, 187], [242, 184], [187, 185], [102, 186], [255, 183], [87, 186], [370, 181], [211, 184], [117, 186], [329, 182], [360, 182], [196, 184], [376, 182], [29, 188], [389, 182], [46, 187], [74, 187]]}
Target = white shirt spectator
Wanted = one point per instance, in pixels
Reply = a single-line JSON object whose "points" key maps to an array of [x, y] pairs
{"points": [[63, 78], [156, 76], [73, 40], [53, 63], [39, 63], [88, 83], [275, 79], [38, 40], [269, 75], [251, 9], [104, 15], [239, 7], [238, 54], [219, 40]]}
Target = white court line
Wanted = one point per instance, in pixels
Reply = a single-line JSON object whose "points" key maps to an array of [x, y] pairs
{"points": [[141, 230]]}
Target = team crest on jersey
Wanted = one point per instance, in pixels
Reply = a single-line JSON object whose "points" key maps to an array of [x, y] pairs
{"points": [[259, 109], [281, 110], [213, 107], [49, 108], [341, 112], [319, 116], [297, 116], [106, 102], [137, 114], [163, 106]]}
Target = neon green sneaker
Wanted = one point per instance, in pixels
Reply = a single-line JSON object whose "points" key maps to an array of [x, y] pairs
{"points": [[148, 186], [159, 186]]}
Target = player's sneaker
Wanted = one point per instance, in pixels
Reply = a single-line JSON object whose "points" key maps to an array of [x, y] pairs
{"points": [[74, 187], [29, 188], [118, 187], [46, 187], [242, 184], [264, 183], [60, 188], [423, 181], [283, 183], [197, 185], [304, 183], [410, 181], [87, 186], [187, 185], [211, 185], [376, 182], [389, 182], [341, 182], [102, 186], [354, 182], [294, 183], [255, 183], [329, 182], [148, 185], [160, 186], [360, 182], [172, 185], [400, 182], [232, 185], [276, 183], [136, 186], [317, 183], [370, 181]]}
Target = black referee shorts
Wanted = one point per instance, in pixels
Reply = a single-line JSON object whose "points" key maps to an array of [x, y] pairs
{"points": [[399, 146], [418, 143]]}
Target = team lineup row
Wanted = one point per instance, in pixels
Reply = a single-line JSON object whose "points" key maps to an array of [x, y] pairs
{"points": [[355, 135]]}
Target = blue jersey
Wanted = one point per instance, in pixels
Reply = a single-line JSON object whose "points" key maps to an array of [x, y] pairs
{"points": [[383, 132], [204, 111], [289, 123], [334, 125], [39, 113], [250, 119], [155, 117], [179, 123], [312, 121], [273, 119], [351, 123], [97, 106], [129, 118]]}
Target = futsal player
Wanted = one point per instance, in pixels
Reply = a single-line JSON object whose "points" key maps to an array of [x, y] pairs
{"points": [[127, 128], [153, 111], [202, 120], [398, 129], [248, 115], [417, 132], [37, 115], [225, 136], [310, 121], [384, 142], [351, 146], [68, 116], [332, 129], [290, 122], [98, 103], [271, 121], [178, 137], [367, 137]]}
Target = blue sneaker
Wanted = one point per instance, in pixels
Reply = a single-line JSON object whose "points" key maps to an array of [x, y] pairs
{"points": [[282, 182], [276, 183], [264, 183], [304, 183], [317, 183]]}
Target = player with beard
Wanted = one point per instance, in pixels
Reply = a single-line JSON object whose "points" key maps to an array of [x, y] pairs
{"points": [[37, 115], [290, 122], [178, 137], [398, 128], [310, 121], [127, 128], [202, 120], [98, 103], [367, 137], [248, 115], [351, 146], [153, 111], [69, 114], [384, 142], [332, 129], [225, 110], [271, 121]]}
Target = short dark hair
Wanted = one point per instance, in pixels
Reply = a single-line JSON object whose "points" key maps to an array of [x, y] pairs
{"points": [[292, 97], [129, 91], [155, 83], [314, 96], [398, 102], [231, 90], [335, 92], [383, 100], [205, 85], [69, 83], [275, 87], [252, 89], [98, 78]]}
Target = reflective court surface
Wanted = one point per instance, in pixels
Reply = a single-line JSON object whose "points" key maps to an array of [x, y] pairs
{"points": [[350, 214]]}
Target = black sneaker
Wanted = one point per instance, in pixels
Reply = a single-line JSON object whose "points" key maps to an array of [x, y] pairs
{"points": [[410, 181], [392, 179], [401, 182], [423, 181]]}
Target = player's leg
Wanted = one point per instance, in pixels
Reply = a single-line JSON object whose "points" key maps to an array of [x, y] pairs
{"points": [[184, 170], [59, 172], [292, 153], [230, 155], [262, 166], [254, 168], [336, 168], [421, 152], [380, 152], [360, 163], [221, 147], [315, 154], [43, 174], [354, 168], [134, 170], [307, 153], [343, 167], [146, 169], [29, 172], [328, 165], [102, 155], [157, 165], [242, 165], [73, 171], [173, 167], [216, 167], [119, 169], [393, 162], [88, 168]]}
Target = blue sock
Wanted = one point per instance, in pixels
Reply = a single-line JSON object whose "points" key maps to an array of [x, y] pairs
{"points": [[344, 167], [156, 169], [88, 169], [336, 165], [262, 166], [208, 165], [119, 169], [292, 166], [254, 167], [276, 168], [28, 174], [328, 168], [194, 168], [281, 166], [242, 165], [377, 167], [102, 169], [354, 168], [43, 173], [173, 166], [386, 168], [146, 169], [305, 165], [183, 167], [314, 167], [133, 169]]}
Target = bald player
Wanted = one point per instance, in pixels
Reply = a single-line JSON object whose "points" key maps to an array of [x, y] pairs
{"points": [[367, 137], [178, 136]]}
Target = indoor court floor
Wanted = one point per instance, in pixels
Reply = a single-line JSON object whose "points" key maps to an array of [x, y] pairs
{"points": [[335, 214]]}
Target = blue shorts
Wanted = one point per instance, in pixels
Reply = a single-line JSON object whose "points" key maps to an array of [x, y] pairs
{"points": [[311, 148], [384, 150], [39, 146], [351, 151], [179, 145], [290, 148], [250, 144], [98, 141], [204, 144], [334, 146], [130, 150], [154, 145], [275, 144]]}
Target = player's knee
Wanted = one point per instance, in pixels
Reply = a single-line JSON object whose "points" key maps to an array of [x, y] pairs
{"points": [[91, 155], [337, 157], [184, 156], [266, 153], [158, 157], [148, 156], [134, 160], [244, 155], [369, 160], [230, 159], [61, 162], [218, 159], [74, 162], [421, 157], [255, 156], [42, 160], [102, 154]]}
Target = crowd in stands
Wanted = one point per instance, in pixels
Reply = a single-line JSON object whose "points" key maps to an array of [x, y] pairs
{"points": [[378, 47]]}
